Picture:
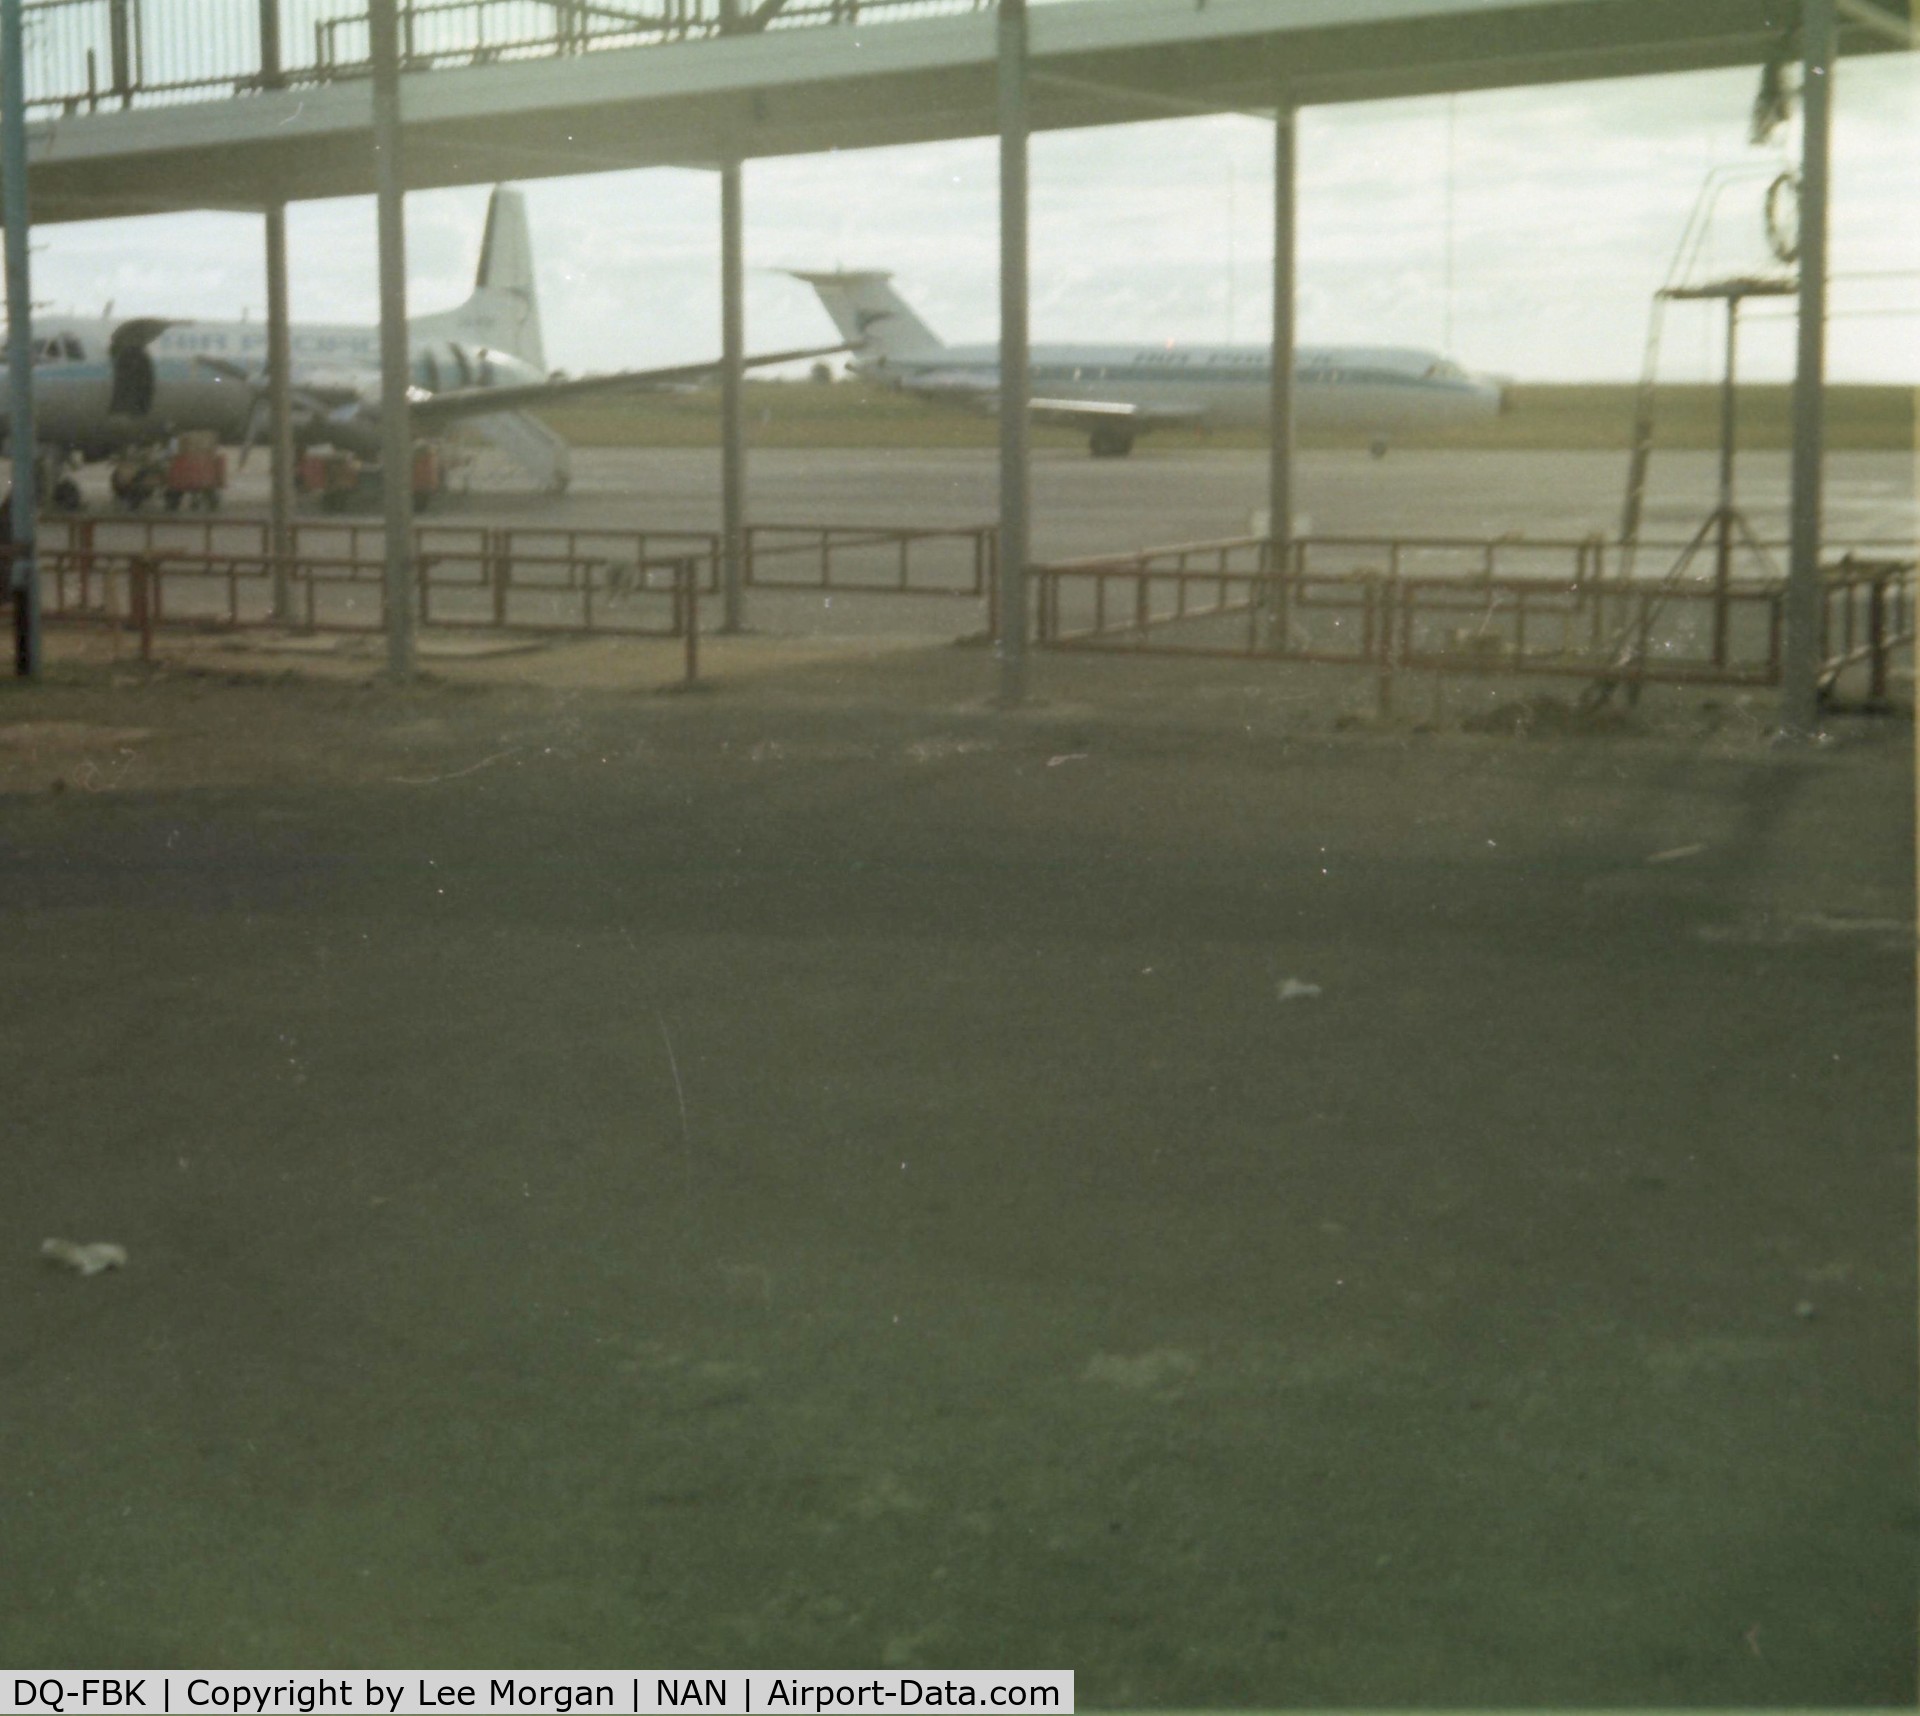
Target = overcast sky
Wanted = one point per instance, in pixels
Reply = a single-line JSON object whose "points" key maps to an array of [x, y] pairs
{"points": [[1522, 230]]}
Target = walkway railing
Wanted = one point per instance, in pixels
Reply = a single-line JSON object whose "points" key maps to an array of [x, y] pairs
{"points": [[1869, 615], [1456, 605], [881, 560], [219, 571], [955, 561], [1389, 604], [472, 587], [83, 56]]}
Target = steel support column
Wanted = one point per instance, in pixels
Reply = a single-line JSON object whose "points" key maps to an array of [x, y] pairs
{"points": [[1280, 411], [1724, 510], [279, 414], [1015, 383], [279, 355], [733, 349], [1800, 667], [733, 431], [396, 432], [25, 579], [270, 68]]}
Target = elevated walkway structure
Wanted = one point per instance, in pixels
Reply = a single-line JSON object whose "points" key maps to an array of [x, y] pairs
{"points": [[505, 89], [150, 105]]}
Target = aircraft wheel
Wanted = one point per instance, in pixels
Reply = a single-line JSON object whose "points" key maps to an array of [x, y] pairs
{"points": [[1110, 443], [1379, 448], [66, 495]]}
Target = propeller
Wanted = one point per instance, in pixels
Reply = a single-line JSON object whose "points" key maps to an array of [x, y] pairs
{"points": [[303, 404], [255, 430]]}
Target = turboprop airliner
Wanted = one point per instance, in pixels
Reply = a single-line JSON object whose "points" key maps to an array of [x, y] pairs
{"points": [[1116, 393], [100, 386]]}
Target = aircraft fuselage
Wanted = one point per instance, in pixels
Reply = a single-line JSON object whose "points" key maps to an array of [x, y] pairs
{"points": [[1335, 387], [210, 376]]}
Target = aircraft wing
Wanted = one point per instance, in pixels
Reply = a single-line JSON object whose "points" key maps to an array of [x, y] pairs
{"points": [[456, 403], [1110, 414], [340, 399]]}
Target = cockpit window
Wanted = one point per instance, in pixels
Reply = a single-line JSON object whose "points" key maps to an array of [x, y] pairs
{"points": [[71, 348]]}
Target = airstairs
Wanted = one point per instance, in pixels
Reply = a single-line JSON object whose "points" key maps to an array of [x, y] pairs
{"points": [[530, 444]]}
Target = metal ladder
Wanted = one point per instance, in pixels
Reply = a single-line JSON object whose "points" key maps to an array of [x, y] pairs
{"points": [[1629, 643]]}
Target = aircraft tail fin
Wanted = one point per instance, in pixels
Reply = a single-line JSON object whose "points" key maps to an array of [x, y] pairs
{"points": [[872, 316], [503, 314]]}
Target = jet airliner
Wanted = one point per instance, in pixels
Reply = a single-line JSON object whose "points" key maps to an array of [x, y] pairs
{"points": [[1115, 393]]}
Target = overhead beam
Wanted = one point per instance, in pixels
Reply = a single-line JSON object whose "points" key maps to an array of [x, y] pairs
{"points": [[1150, 103], [1900, 32]]}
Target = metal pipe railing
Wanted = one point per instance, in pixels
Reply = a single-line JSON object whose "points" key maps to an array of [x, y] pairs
{"points": [[85, 56], [1464, 612], [877, 559], [150, 587]]}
